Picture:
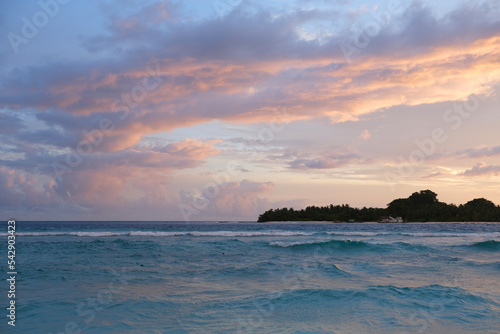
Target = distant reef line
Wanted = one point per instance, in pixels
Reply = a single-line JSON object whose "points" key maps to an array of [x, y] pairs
{"points": [[422, 206]]}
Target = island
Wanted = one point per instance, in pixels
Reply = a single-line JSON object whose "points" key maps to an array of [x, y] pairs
{"points": [[422, 206]]}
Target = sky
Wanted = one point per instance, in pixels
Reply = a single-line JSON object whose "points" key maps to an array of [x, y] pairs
{"points": [[222, 109]]}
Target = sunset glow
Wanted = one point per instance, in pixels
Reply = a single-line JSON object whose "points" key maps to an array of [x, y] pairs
{"points": [[170, 110]]}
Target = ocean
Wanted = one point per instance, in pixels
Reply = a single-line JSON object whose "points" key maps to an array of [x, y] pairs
{"points": [[245, 277]]}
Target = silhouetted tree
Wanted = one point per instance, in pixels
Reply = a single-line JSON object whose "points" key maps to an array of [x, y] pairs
{"points": [[478, 209], [422, 206]]}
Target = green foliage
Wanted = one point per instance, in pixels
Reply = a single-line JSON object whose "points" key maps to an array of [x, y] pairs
{"points": [[422, 206]]}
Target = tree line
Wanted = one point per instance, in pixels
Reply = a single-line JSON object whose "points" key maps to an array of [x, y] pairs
{"points": [[422, 206]]}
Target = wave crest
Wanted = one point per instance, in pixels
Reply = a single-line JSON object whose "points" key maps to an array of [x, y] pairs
{"points": [[168, 233], [490, 245], [334, 244]]}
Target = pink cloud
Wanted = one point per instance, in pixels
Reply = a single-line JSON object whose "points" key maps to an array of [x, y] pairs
{"points": [[365, 135], [234, 199], [22, 189], [136, 177], [151, 72], [232, 82], [124, 175]]}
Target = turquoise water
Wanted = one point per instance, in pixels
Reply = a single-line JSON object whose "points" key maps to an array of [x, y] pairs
{"points": [[140, 277]]}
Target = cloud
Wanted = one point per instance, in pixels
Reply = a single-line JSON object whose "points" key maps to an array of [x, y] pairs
{"points": [[233, 199], [419, 31], [482, 169], [479, 152], [122, 176], [433, 175], [25, 191], [154, 69], [129, 178], [324, 162], [300, 156], [125, 31], [365, 135], [10, 124], [321, 158], [207, 68]]}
